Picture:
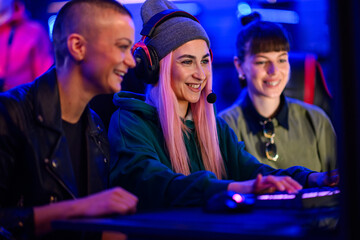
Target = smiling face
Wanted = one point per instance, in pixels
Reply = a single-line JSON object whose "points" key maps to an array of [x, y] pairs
{"points": [[266, 73], [108, 52], [190, 70]]}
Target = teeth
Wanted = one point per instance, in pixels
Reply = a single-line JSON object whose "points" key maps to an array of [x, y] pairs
{"points": [[272, 83], [119, 73], [194, 85]]}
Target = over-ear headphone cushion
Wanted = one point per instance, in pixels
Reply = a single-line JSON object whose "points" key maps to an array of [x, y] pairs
{"points": [[146, 70]]}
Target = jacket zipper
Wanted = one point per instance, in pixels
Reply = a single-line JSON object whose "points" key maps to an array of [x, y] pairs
{"points": [[60, 181]]}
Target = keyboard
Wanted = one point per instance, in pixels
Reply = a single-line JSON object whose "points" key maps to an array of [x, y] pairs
{"points": [[305, 198]]}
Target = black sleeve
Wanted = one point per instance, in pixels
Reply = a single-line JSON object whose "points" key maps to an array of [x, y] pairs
{"points": [[15, 222]]}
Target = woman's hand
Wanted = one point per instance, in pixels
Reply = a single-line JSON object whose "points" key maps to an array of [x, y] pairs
{"points": [[112, 201], [267, 184], [323, 179]]}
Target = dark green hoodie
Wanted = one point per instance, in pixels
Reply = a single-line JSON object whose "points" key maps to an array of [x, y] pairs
{"points": [[141, 164]]}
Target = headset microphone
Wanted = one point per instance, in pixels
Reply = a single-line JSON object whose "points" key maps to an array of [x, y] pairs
{"points": [[211, 98]]}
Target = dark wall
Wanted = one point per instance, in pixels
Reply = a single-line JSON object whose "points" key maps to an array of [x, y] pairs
{"points": [[346, 68], [38, 10]]}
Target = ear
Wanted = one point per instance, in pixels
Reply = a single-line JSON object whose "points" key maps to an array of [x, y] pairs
{"points": [[238, 67], [76, 46]]}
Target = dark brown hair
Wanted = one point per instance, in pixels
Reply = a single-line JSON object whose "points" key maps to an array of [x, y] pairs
{"points": [[261, 36]]}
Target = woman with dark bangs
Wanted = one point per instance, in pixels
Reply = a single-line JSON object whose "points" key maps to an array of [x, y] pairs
{"points": [[279, 131], [168, 148]]}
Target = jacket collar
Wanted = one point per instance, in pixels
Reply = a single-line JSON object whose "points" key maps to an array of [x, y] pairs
{"points": [[48, 114], [47, 100], [47, 107], [253, 118], [18, 15]]}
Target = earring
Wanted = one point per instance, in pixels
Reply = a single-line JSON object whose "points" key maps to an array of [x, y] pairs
{"points": [[241, 76]]}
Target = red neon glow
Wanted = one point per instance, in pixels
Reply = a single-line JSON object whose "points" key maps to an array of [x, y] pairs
{"points": [[237, 198]]}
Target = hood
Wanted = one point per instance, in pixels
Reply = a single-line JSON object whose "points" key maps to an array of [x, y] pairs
{"points": [[135, 103]]}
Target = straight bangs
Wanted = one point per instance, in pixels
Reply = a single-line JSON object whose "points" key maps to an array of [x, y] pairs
{"points": [[206, 130], [261, 36], [268, 44]]}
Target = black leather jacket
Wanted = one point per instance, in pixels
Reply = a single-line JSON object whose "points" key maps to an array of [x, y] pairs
{"points": [[35, 165]]}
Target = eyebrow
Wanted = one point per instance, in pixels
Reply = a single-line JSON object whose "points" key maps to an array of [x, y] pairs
{"points": [[283, 54], [192, 57], [126, 39]]}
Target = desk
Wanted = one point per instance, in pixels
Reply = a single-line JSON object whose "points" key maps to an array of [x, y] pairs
{"points": [[194, 223]]}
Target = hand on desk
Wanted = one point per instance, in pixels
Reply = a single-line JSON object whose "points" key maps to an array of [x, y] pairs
{"points": [[115, 200], [267, 184], [319, 179]]}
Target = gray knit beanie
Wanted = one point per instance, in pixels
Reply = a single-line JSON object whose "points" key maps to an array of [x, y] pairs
{"points": [[172, 33]]}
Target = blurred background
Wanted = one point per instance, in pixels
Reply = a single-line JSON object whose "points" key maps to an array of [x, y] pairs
{"points": [[307, 22]]}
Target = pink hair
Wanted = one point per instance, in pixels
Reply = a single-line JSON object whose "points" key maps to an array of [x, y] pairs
{"points": [[164, 99]]}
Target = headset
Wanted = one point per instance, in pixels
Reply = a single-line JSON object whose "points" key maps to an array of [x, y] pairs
{"points": [[147, 61]]}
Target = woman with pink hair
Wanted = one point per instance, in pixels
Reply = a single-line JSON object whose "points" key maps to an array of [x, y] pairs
{"points": [[168, 148]]}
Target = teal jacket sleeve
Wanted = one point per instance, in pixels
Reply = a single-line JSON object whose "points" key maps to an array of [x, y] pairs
{"points": [[242, 166], [140, 164]]}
